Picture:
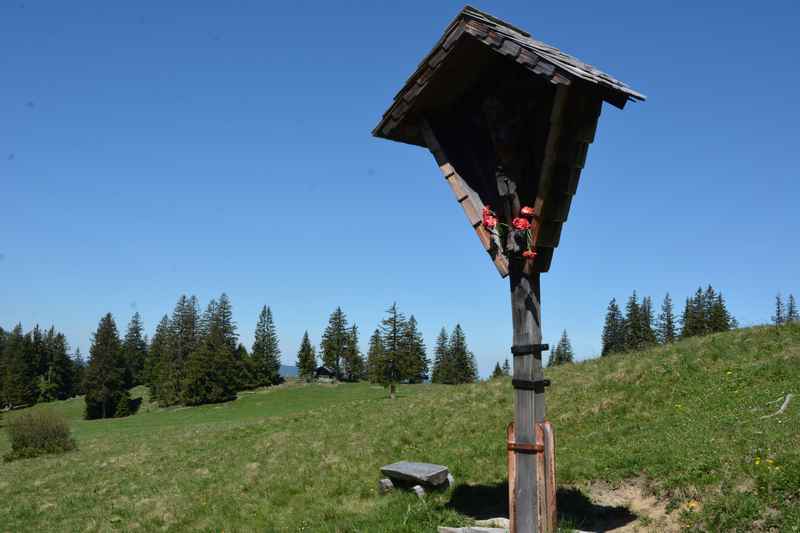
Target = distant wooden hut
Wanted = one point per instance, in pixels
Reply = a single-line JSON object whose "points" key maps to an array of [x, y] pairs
{"points": [[325, 374]]}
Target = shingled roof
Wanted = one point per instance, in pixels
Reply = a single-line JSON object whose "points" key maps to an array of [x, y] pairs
{"points": [[540, 58]]}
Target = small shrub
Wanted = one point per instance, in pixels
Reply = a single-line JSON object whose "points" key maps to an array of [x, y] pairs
{"points": [[36, 433]]}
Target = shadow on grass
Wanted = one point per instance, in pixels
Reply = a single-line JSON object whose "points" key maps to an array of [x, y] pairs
{"points": [[574, 508]]}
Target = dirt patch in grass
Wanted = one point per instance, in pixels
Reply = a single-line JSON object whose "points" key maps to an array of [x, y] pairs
{"points": [[652, 514]]}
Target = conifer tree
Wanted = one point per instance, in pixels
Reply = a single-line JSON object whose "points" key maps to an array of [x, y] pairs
{"points": [[57, 382], [159, 356], [413, 357], [212, 372], [792, 315], [306, 359], [719, 319], [497, 372], [780, 313], [613, 330], [335, 341], [442, 367], [464, 367], [134, 349], [665, 330], [563, 353], [105, 375], [646, 316], [634, 324], [375, 357], [392, 329], [266, 352], [20, 370], [79, 372], [353, 367], [506, 368], [184, 337]]}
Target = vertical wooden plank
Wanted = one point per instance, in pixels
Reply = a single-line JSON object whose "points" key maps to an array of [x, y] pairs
{"points": [[541, 472], [550, 477], [525, 312], [512, 475]]}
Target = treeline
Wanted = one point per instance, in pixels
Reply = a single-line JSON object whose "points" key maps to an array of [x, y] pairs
{"points": [[453, 362], [36, 367], [703, 313]]}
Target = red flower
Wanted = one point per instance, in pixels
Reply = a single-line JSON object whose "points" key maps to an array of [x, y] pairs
{"points": [[489, 218], [521, 224], [529, 254], [527, 211]]}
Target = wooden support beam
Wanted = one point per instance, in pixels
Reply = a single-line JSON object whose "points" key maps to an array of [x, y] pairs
{"points": [[529, 405], [468, 199]]}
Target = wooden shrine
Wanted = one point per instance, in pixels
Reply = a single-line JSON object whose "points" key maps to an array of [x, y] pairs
{"points": [[509, 121]]}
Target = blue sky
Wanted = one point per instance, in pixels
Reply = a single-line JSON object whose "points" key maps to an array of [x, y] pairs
{"points": [[150, 150]]}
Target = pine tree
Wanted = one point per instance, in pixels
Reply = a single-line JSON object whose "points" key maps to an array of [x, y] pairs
{"points": [[792, 314], [413, 358], [105, 375], [353, 367], [442, 367], [79, 372], [212, 373], [19, 385], [780, 313], [306, 359], [464, 367], [506, 368], [563, 353], [719, 319], [646, 315], [392, 329], [497, 372], [57, 383], [613, 330], [665, 329], [375, 357], [134, 349], [184, 336], [334, 341], [634, 324], [266, 352], [159, 356]]}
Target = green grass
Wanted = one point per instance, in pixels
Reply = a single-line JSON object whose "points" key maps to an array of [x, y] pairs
{"points": [[684, 421]]}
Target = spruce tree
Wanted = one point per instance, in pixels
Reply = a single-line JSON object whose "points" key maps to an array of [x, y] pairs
{"points": [[79, 372], [792, 314], [497, 372], [464, 367], [335, 341], [134, 349], [413, 358], [306, 359], [392, 329], [665, 329], [184, 336], [159, 357], [266, 352], [613, 330], [634, 324], [506, 368], [563, 353], [780, 313], [19, 381], [375, 357], [105, 375], [442, 369], [353, 367], [719, 319], [57, 383], [212, 373], [646, 315]]}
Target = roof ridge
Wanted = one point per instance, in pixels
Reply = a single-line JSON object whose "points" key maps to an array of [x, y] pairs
{"points": [[474, 12]]}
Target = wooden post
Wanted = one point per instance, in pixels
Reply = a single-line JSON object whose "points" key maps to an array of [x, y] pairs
{"points": [[529, 406]]}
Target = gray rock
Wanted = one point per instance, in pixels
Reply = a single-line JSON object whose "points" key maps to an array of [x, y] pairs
{"points": [[385, 485], [472, 529], [419, 491], [450, 480], [494, 522], [421, 473]]}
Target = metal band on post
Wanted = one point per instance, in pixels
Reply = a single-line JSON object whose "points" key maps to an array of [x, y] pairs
{"points": [[534, 385], [520, 447], [527, 349]]}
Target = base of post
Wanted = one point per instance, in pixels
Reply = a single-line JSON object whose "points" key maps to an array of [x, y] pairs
{"points": [[545, 450]]}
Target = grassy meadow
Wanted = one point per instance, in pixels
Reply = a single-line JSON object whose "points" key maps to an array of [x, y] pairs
{"points": [[683, 423]]}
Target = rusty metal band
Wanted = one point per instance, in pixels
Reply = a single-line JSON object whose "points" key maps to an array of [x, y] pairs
{"points": [[527, 349], [525, 448]]}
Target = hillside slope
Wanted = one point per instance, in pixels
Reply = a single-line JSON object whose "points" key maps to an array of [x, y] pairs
{"points": [[684, 422]]}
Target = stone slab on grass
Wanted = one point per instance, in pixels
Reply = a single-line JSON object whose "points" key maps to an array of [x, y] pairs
{"points": [[416, 473]]}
